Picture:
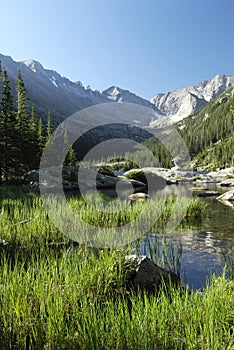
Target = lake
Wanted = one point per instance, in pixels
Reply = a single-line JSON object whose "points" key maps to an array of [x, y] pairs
{"points": [[203, 248]]}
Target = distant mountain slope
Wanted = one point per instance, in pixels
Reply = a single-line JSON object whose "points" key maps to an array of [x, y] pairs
{"points": [[50, 91], [117, 94], [209, 133], [180, 103]]}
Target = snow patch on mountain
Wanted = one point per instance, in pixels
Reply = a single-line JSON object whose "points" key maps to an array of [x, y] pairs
{"points": [[35, 66], [53, 81]]}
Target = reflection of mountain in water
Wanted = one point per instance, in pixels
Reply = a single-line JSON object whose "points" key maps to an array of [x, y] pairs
{"points": [[205, 247]]}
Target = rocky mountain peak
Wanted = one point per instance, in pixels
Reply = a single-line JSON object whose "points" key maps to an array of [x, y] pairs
{"points": [[116, 94], [178, 104], [35, 66], [48, 90]]}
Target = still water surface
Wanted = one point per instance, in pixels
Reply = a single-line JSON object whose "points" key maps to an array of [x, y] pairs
{"points": [[204, 248]]}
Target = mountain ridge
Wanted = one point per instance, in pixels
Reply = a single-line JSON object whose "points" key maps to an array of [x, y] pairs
{"points": [[48, 90], [180, 103]]}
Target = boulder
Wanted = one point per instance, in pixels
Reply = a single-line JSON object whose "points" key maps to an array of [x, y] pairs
{"points": [[158, 177], [172, 182], [208, 194], [227, 198], [144, 275], [227, 183], [221, 174], [198, 189], [31, 177], [138, 196]]}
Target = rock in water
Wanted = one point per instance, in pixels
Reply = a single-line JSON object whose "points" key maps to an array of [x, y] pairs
{"points": [[227, 183], [208, 194], [146, 276], [140, 196], [227, 198]]}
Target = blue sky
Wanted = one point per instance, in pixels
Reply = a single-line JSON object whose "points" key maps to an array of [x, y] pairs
{"points": [[145, 46]]}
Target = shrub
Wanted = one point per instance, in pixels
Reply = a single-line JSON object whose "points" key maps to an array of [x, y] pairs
{"points": [[137, 175]]}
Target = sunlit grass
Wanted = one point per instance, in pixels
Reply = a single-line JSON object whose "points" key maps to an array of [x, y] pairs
{"points": [[54, 295]]}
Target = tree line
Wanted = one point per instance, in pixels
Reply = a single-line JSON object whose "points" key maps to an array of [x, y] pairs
{"points": [[22, 134]]}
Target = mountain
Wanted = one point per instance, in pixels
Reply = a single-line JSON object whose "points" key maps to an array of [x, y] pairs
{"points": [[50, 91], [209, 133], [180, 103], [116, 94]]}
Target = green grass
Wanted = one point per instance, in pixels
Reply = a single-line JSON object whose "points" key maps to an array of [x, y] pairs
{"points": [[54, 295]]}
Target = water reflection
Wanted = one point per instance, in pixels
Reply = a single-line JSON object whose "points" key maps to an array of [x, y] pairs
{"points": [[195, 250], [203, 248]]}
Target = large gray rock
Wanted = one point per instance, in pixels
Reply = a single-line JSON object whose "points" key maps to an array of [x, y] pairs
{"points": [[156, 176], [140, 196], [146, 276], [227, 198], [227, 183], [32, 177], [208, 194]]}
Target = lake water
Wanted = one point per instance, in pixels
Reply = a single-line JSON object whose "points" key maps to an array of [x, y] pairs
{"points": [[204, 248]]}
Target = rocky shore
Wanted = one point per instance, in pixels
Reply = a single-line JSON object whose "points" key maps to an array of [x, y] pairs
{"points": [[89, 179]]}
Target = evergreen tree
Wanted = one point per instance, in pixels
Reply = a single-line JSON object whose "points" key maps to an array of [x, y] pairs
{"points": [[34, 147], [23, 127], [8, 129], [48, 128], [33, 123], [70, 159], [1, 134], [40, 139]]}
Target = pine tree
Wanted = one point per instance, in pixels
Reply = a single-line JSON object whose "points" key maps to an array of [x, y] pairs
{"points": [[34, 147], [48, 128], [33, 123], [70, 159], [23, 129], [40, 139], [8, 128], [232, 110], [1, 135]]}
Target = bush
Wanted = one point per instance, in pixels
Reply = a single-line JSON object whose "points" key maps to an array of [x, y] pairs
{"points": [[137, 175], [106, 171]]}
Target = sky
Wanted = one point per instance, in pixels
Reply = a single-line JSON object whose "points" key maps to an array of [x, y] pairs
{"points": [[145, 46]]}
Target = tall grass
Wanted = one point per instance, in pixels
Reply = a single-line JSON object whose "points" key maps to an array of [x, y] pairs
{"points": [[54, 295]]}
